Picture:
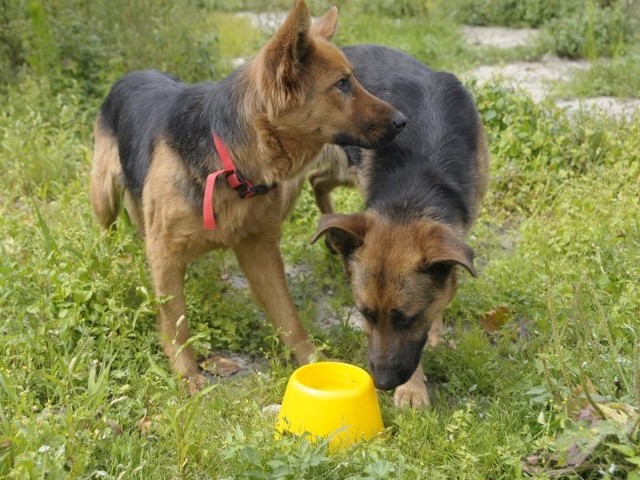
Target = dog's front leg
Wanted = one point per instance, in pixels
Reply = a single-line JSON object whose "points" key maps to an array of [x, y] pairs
{"points": [[260, 260], [436, 332], [167, 272], [414, 392]]}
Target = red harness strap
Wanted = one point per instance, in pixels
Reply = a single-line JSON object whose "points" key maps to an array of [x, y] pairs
{"points": [[234, 178]]}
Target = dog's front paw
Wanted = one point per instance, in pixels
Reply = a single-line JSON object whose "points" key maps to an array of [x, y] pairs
{"points": [[411, 395], [196, 383]]}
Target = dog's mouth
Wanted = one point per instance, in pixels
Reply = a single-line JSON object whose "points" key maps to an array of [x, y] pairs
{"points": [[390, 376], [390, 379]]}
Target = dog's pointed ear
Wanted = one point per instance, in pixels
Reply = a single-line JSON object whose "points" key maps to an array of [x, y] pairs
{"points": [[279, 61], [442, 249], [346, 232], [325, 27]]}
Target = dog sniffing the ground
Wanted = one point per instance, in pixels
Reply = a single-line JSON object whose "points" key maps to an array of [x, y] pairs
{"points": [[161, 146], [422, 194]]}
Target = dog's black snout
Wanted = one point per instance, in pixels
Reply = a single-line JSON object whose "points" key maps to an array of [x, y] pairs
{"points": [[399, 120], [388, 378], [386, 383]]}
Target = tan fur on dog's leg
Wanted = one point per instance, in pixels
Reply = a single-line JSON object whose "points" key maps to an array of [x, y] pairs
{"points": [[436, 333], [323, 183], [133, 210], [333, 171], [105, 178], [414, 392], [168, 273], [260, 260]]}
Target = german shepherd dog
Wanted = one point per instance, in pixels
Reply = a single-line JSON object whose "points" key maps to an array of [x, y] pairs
{"points": [[422, 194], [160, 144]]}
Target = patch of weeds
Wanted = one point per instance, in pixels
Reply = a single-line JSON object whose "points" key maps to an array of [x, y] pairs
{"points": [[578, 29], [230, 45], [91, 45], [593, 31], [222, 315], [617, 77], [437, 42], [255, 455], [42, 139], [512, 13], [393, 8], [539, 152]]}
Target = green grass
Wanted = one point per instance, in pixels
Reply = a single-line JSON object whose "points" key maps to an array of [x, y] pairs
{"points": [[577, 28], [435, 39], [617, 77], [84, 387]]}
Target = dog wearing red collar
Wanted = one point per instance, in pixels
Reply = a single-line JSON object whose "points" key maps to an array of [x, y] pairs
{"points": [[188, 193]]}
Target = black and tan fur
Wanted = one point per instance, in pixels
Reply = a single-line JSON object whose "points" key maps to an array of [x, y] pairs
{"points": [[154, 150], [422, 193]]}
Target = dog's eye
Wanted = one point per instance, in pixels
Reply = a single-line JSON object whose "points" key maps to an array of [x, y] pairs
{"points": [[368, 315], [343, 85], [401, 321]]}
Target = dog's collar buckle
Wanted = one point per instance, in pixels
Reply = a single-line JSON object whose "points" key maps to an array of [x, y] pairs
{"points": [[235, 180], [245, 188]]}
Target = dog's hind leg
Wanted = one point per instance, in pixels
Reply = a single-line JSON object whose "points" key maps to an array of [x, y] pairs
{"points": [[259, 258], [106, 177], [133, 210], [323, 182], [332, 172]]}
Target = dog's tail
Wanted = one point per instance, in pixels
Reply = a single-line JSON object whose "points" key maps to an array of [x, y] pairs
{"points": [[106, 177]]}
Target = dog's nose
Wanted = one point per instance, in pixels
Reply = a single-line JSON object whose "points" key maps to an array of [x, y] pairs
{"points": [[385, 383], [389, 378], [399, 120]]}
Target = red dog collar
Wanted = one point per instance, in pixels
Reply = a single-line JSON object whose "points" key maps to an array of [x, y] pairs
{"points": [[234, 178]]}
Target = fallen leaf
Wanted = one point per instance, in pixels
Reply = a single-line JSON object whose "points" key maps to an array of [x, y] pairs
{"points": [[622, 413], [117, 429], [219, 366], [494, 319]]}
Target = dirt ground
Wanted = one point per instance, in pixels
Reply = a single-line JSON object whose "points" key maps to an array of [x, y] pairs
{"points": [[535, 78]]}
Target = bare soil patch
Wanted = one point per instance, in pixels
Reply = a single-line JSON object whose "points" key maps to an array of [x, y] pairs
{"points": [[536, 78], [499, 37]]}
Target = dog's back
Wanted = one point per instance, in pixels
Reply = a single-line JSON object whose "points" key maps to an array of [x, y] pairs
{"points": [[135, 113], [145, 107], [433, 167]]}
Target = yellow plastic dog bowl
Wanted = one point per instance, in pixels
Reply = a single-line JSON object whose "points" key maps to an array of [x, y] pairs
{"points": [[331, 399]]}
